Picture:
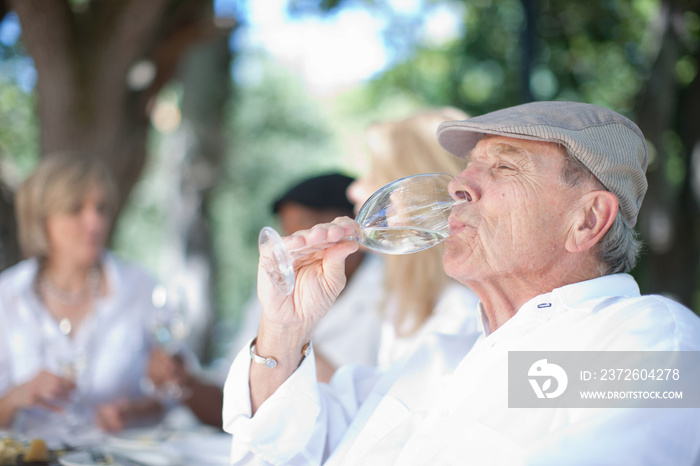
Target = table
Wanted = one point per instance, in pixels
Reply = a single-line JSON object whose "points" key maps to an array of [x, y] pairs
{"points": [[177, 441]]}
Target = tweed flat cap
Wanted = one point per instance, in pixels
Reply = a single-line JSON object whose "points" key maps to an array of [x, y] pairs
{"points": [[610, 145]]}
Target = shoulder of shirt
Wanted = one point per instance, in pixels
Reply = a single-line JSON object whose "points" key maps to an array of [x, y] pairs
{"points": [[15, 278], [653, 303], [126, 268], [666, 323], [126, 274]]}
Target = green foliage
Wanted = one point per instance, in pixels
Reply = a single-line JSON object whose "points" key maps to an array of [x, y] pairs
{"points": [[278, 135], [19, 131], [595, 52], [19, 128]]}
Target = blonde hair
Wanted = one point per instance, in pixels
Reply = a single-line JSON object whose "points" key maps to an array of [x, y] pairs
{"points": [[401, 148], [58, 183]]}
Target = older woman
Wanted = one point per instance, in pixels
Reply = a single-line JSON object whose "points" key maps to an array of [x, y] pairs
{"points": [[72, 315]]}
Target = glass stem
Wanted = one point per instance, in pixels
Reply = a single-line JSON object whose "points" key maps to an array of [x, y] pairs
{"points": [[311, 248]]}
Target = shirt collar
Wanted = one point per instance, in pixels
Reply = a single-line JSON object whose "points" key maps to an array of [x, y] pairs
{"points": [[574, 295], [483, 323], [568, 297]]}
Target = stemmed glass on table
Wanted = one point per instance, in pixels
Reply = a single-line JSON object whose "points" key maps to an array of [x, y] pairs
{"points": [[407, 215]]}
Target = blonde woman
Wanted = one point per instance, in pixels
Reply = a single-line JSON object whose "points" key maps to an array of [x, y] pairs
{"points": [[419, 297], [72, 330]]}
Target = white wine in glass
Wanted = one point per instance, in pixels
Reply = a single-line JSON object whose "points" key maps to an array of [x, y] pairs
{"points": [[405, 216], [169, 329]]}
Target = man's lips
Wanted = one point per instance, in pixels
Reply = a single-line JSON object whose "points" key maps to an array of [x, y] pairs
{"points": [[455, 225]]}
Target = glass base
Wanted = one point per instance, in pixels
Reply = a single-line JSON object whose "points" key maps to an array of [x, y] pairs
{"points": [[276, 260]]}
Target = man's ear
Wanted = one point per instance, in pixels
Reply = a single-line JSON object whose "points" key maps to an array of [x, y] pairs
{"points": [[593, 217]]}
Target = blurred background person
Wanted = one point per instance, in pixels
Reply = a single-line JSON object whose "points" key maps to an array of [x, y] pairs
{"points": [[418, 297], [349, 334], [73, 340]]}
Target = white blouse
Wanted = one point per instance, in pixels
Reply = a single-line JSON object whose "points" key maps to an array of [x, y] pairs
{"points": [[109, 350]]}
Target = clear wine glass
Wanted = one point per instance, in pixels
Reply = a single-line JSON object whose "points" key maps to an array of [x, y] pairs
{"points": [[168, 328], [405, 216], [73, 366], [62, 356]]}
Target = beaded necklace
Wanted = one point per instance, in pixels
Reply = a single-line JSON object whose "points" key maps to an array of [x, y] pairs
{"points": [[45, 288]]}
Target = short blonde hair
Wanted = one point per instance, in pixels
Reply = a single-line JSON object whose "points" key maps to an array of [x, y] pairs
{"points": [[403, 148], [59, 182]]}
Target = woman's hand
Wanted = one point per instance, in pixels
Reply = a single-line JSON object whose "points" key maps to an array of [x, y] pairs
{"points": [[46, 389]]}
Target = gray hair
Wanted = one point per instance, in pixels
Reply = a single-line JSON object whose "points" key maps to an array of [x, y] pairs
{"points": [[619, 249]]}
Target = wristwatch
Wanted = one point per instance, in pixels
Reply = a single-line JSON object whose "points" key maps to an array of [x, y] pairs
{"points": [[271, 362]]}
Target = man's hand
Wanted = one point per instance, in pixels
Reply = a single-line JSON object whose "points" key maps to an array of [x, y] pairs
{"points": [[320, 275], [287, 321], [165, 369], [113, 417], [123, 413]]}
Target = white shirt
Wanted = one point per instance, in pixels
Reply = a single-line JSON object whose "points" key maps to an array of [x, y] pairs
{"points": [[112, 339], [455, 313], [447, 404], [351, 331]]}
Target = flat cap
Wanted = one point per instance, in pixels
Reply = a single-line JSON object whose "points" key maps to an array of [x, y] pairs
{"points": [[610, 145]]}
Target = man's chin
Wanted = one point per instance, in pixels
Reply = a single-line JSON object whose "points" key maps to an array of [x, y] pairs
{"points": [[453, 261]]}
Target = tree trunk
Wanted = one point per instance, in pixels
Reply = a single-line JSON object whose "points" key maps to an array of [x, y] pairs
{"points": [[84, 53]]}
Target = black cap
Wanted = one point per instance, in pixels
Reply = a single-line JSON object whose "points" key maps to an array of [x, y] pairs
{"points": [[320, 192]]}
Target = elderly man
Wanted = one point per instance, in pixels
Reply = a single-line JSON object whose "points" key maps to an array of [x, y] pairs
{"points": [[545, 239]]}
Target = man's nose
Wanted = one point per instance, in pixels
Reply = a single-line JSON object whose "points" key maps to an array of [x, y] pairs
{"points": [[460, 190]]}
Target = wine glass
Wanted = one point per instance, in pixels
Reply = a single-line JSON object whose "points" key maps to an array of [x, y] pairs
{"points": [[62, 356], [405, 216], [73, 365], [168, 328]]}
